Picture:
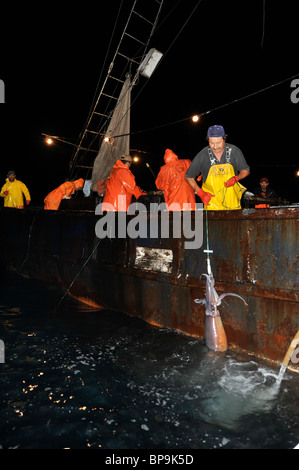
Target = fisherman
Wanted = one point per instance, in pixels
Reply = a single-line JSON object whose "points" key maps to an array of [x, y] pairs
{"points": [[171, 180], [264, 191], [64, 191], [121, 186], [14, 192], [222, 166]]}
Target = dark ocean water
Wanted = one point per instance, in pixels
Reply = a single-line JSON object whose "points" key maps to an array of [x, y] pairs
{"points": [[99, 379]]}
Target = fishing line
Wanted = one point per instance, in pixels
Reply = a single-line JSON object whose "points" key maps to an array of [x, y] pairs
{"points": [[79, 272], [29, 239], [77, 275], [208, 251], [224, 191]]}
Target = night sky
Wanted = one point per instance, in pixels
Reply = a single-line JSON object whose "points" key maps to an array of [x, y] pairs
{"points": [[52, 57]]}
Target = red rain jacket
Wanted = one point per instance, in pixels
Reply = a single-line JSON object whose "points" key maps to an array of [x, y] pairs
{"points": [[120, 187], [65, 190], [171, 180]]}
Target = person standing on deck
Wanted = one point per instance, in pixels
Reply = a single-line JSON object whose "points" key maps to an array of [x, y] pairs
{"points": [[14, 192], [171, 180], [64, 191], [265, 192], [121, 186], [222, 166]]}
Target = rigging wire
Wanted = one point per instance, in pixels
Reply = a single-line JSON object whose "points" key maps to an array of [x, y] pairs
{"points": [[217, 107], [104, 65], [155, 28], [264, 20], [175, 39], [172, 43], [94, 101], [188, 118], [82, 135]]}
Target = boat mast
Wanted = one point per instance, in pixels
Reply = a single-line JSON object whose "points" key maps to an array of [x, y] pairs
{"points": [[130, 52]]}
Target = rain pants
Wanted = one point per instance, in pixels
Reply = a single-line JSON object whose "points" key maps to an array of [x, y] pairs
{"points": [[120, 187], [16, 189], [171, 180], [64, 191], [225, 198]]}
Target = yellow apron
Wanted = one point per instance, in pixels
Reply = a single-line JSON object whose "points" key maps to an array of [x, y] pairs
{"points": [[225, 198]]}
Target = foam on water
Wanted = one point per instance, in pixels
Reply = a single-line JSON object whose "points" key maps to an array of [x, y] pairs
{"points": [[114, 382]]}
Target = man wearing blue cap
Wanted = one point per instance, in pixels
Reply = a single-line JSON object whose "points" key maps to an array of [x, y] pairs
{"points": [[222, 166]]}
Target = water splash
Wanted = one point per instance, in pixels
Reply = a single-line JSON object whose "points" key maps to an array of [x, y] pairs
{"points": [[282, 370], [244, 390], [287, 358]]}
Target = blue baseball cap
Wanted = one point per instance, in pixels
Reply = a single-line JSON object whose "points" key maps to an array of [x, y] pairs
{"points": [[216, 131]]}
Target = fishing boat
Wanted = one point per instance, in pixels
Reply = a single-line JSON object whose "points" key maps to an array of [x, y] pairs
{"points": [[252, 253]]}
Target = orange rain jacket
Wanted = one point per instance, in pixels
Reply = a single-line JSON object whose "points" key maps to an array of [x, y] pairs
{"points": [[53, 199], [171, 180], [120, 187]]}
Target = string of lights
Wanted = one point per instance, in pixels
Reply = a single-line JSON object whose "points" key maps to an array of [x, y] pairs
{"points": [[194, 118], [197, 117]]}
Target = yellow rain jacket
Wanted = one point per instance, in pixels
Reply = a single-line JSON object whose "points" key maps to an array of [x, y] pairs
{"points": [[16, 189]]}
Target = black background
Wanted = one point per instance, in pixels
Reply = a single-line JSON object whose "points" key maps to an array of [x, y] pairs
{"points": [[52, 57]]}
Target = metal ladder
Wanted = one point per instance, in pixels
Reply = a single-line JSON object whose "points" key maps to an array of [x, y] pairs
{"points": [[129, 54]]}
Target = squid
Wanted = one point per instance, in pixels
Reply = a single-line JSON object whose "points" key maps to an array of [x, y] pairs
{"points": [[215, 335]]}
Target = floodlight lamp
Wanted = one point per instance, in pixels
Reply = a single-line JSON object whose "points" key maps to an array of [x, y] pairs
{"points": [[150, 62]]}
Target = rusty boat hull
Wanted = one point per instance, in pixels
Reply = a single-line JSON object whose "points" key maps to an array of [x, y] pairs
{"points": [[255, 255]]}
